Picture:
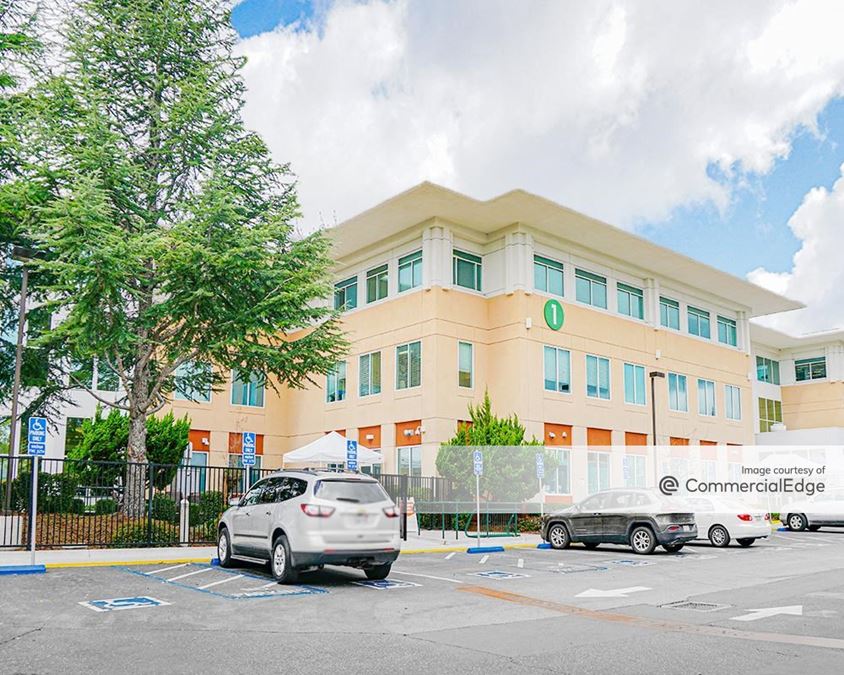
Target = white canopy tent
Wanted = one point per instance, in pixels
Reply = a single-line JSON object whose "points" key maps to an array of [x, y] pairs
{"points": [[329, 449]]}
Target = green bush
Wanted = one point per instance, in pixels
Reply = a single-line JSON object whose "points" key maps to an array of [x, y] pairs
{"points": [[105, 507], [165, 508], [56, 492], [208, 508], [77, 507], [138, 534], [530, 523]]}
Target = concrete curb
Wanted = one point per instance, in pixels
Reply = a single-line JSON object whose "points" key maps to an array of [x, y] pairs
{"points": [[6, 570]]}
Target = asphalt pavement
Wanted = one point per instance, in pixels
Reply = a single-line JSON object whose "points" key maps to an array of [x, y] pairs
{"points": [[776, 607]]}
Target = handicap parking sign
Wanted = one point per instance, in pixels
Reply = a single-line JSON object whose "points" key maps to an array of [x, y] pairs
{"points": [[478, 462], [248, 449], [352, 455], [540, 465], [115, 604], [36, 438]]}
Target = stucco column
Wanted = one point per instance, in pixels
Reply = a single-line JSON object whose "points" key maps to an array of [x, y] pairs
{"points": [[652, 302], [437, 242], [518, 262], [743, 330]]}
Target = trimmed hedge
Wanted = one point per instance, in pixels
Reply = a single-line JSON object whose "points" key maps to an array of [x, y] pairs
{"points": [[138, 534], [105, 507]]}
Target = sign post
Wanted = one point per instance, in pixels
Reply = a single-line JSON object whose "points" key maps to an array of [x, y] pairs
{"points": [[247, 456], [36, 446], [540, 473], [352, 455], [478, 462]]}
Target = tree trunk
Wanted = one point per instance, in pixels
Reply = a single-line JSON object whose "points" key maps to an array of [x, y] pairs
{"points": [[136, 473]]}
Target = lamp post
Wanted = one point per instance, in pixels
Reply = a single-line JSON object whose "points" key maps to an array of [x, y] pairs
{"points": [[654, 374], [21, 255]]}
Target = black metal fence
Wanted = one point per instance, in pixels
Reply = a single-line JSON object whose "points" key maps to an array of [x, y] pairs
{"points": [[120, 504]]}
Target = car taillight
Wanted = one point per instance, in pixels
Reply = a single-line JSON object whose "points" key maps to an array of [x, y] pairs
{"points": [[746, 517], [391, 512], [317, 511]]}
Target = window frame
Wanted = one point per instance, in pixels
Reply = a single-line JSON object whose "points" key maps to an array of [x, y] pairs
{"points": [[369, 380], [470, 258], [340, 394], [771, 405], [557, 378], [592, 279], [728, 325], [702, 403], [626, 290], [413, 262], [178, 396], [772, 370], [408, 354], [678, 377], [471, 371], [598, 362], [700, 315], [377, 275], [810, 363], [732, 402], [259, 386], [548, 265], [343, 287], [664, 317], [636, 369]]}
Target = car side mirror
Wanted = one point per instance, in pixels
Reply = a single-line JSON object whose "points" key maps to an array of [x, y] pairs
{"points": [[234, 501]]}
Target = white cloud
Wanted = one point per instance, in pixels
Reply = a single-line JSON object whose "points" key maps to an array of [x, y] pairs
{"points": [[616, 109], [817, 275]]}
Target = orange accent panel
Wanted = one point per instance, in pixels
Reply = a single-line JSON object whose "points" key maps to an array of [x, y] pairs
{"points": [[636, 443], [562, 434], [375, 431], [678, 441], [558, 499], [236, 443], [196, 436], [413, 439], [598, 437], [708, 443]]}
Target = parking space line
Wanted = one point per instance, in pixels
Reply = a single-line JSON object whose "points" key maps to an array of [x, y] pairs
{"points": [[167, 569], [483, 560], [450, 555], [260, 588], [190, 574], [221, 581], [427, 576], [520, 562]]}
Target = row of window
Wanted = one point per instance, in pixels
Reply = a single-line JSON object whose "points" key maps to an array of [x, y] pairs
{"points": [[408, 371], [768, 370], [557, 369]]}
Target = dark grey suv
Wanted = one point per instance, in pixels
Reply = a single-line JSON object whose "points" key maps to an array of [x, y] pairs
{"points": [[642, 519]]}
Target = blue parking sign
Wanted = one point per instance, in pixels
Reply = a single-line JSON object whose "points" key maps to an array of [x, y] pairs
{"points": [[36, 438], [352, 455], [478, 463], [540, 465], [248, 449]]}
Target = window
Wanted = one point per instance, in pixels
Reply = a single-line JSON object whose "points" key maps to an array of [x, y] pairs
{"points": [[410, 461], [547, 275], [706, 398], [634, 471], [699, 322], [810, 369], [732, 402], [678, 397], [727, 331], [558, 481], [335, 383], [557, 369], [370, 374], [770, 413], [247, 388], [410, 271], [73, 434], [465, 374], [598, 471], [346, 294], [669, 313], [467, 270], [634, 384], [107, 379], [376, 284], [767, 370], [409, 365], [193, 382], [631, 301], [591, 288], [597, 377]]}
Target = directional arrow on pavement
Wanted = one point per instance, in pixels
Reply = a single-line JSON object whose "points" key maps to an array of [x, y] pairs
{"points": [[764, 613], [612, 593]]}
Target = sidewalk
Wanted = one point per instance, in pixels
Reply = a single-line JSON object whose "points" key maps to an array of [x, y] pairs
{"points": [[426, 542]]}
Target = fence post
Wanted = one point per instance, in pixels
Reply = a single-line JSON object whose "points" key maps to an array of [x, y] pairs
{"points": [[149, 503], [403, 497], [184, 521]]}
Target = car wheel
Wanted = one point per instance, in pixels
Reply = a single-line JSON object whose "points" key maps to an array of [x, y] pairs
{"points": [[224, 548], [558, 536], [378, 572], [796, 522], [718, 536], [673, 548], [813, 528], [745, 541], [591, 545], [642, 540], [281, 564]]}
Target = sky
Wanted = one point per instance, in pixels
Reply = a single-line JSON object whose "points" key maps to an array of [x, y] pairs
{"points": [[713, 128]]}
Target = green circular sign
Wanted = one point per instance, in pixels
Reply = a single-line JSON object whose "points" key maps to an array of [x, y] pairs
{"points": [[554, 314]]}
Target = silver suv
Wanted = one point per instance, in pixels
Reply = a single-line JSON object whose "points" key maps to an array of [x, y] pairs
{"points": [[301, 520]]}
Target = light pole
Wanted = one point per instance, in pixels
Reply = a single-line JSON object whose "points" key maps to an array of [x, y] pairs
{"points": [[654, 374], [21, 255]]}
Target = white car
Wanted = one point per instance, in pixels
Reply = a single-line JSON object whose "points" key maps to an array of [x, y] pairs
{"points": [[302, 520], [825, 509], [722, 520]]}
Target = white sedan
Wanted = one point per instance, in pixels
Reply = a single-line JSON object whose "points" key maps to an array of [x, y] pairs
{"points": [[824, 510], [722, 520]]}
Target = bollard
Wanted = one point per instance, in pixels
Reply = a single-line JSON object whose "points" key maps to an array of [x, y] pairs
{"points": [[184, 522]]}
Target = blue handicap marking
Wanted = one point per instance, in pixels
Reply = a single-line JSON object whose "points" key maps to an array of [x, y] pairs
{"points": [[247, 457], [352, 455], [498, 574], [386, 584], [629, 563], [36, 438], [564, 568], [114, 604]]}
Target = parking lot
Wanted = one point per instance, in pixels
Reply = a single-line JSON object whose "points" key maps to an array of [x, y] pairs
{"points": [[774, 607]]}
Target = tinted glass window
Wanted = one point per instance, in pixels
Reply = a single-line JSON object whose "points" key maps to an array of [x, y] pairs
{"points": [[254, 495], [355, 492], [272, 485], [291, 488]]}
